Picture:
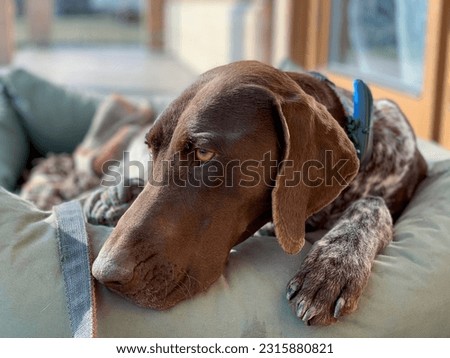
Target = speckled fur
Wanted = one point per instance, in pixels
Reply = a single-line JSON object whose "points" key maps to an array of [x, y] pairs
{"points": [[336, 270], [392, 172], [360, 219]]}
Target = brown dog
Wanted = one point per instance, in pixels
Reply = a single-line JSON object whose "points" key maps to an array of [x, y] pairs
{"points": [[245, 144]]}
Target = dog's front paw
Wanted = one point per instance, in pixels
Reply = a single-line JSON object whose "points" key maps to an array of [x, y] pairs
{"points": [[105, 206], [329, 283]]}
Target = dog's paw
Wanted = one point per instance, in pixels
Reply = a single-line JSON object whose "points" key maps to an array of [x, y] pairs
{"points": [[105, 206], [329, 283]]}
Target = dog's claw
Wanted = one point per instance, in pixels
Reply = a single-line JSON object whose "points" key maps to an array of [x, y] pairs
{"points": [[339, 304], [292, 290], [309, 314], [301, 309]]}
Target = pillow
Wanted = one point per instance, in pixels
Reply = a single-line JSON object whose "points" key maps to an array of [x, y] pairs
{"points": [[408, 294], [14, 144], [432, 151], [56, 119]]}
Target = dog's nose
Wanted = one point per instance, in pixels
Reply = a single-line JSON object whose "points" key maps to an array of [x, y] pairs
{"points": [[109, 271]]}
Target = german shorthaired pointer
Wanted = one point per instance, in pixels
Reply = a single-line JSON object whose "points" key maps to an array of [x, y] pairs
{"points": [[247, 144]]}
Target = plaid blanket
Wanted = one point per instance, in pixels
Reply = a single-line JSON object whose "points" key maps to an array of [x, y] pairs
{"points": [[117, 125]]}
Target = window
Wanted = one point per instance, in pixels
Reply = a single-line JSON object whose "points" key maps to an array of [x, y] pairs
{"points": [[79, 22], [398, 46], [381, 40]]}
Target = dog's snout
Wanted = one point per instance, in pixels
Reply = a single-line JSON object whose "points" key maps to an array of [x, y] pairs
{"points": [[108, 271]]}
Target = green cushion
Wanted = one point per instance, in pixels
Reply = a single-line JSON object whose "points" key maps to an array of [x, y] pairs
{"points": [[14, 146], [408, 294], [56, 119]]}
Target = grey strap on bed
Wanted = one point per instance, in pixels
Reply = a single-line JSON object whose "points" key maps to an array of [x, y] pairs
{"points": [[75, 264]]}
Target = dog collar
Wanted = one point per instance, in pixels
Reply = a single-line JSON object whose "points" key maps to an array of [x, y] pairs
{"points": [[359, 125]]}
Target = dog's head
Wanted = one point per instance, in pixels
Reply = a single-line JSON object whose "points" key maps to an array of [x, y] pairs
{"points": [[242, 145]]}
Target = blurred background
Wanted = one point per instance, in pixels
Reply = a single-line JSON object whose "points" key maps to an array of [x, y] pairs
{"points": [[158, 47]]}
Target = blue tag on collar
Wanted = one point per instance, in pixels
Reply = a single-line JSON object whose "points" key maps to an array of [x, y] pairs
{"points": [[359, 125]]}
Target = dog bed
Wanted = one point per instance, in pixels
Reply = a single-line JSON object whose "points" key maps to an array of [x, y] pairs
{"points": [[408, 294]]}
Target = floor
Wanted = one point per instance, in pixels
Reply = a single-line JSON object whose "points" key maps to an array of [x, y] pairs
{"points": [[130, 70]]}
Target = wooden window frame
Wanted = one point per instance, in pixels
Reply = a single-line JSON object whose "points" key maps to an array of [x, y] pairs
{"points": [[309, 42], [444, 128]]}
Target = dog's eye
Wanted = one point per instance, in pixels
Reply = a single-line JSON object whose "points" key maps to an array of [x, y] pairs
{"points": [[203, 155]]}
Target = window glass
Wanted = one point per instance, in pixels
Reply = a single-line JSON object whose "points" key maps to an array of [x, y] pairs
{"points": [[79, 22], [380, 40]]}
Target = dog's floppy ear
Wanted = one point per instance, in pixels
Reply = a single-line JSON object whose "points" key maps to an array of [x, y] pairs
{"points": [[319, 162]]}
